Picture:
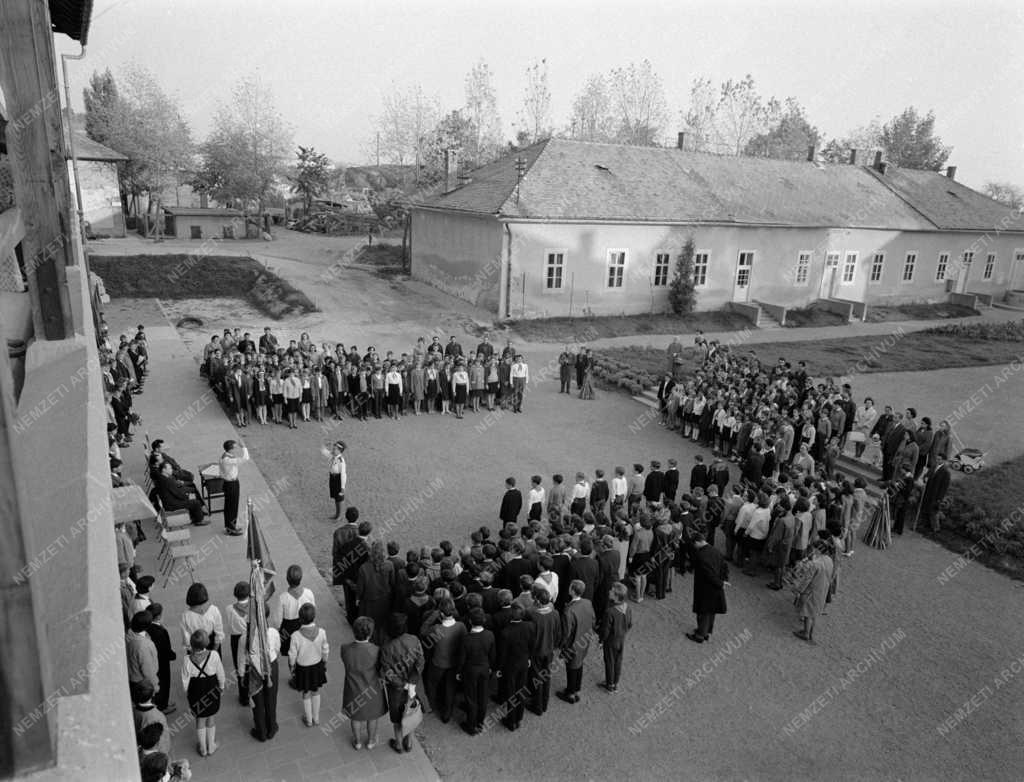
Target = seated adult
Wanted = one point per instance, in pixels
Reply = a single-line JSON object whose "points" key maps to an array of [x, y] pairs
{"points": [[158, 457], [175, 495]]}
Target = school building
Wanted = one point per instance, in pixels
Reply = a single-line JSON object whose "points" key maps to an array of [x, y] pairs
{"points": [[571, 228]]}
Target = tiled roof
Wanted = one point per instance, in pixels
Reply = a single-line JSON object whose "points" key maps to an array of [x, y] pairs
{"points": [[948, 204], [574, 180], [87, 149]]}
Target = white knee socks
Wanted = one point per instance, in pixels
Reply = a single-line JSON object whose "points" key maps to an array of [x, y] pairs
{"points": [[315, 705]]}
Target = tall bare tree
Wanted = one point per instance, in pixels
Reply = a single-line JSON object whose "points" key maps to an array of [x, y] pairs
{"points": [[592, 118], [638, 101], [482, 111], [726, 119], [404, 125], [535, 114]]}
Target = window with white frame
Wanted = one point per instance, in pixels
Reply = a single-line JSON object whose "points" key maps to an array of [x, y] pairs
{"points": [[1018, 256], [746, 263], [554, 270], [850, 268], [941, 267], [831, 260], [877, 264], [700, 269], [616, 268], [908, 267], [803, 268], [662, 261], [990, 266], [968, 258]]}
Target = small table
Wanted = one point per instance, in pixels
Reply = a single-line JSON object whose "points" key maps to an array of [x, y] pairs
{"points": [[211, 486], [130, 503]]}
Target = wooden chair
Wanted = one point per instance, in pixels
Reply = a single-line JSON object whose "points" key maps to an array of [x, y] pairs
{"points": [[186, 554], [171, 539]]}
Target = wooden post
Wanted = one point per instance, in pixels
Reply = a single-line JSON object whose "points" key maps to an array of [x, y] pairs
{"points": [[35, 140], [27, 721]]}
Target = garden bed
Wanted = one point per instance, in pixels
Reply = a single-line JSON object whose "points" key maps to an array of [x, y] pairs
{"points": [[984, 520], [919, 312], [953, 345], [570, 329], [180, 276]]}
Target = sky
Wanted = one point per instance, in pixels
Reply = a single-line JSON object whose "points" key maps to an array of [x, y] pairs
{"points": [[329, 62]]}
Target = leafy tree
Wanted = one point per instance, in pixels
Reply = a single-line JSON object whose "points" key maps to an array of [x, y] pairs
{"points": [[682, 295], [788, 139], [145, 124], [865, 139], [311, 175], [244, 156], [454, 132], [1005, 193], [102, 106], [909, 141], [592, 118], [638, 102], [482, 111], [535, 115]]}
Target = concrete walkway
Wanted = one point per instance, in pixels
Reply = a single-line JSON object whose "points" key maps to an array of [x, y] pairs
{"points": [[178, 408]]}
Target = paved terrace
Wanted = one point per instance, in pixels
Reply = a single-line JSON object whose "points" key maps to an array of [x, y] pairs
{"points": [[178, 407]]}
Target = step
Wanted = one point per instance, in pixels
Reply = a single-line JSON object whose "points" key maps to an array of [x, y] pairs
{"points": [[647, 401]]}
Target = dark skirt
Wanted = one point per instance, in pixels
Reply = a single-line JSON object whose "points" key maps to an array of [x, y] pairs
{"points": [[293, 405], [310, 678], [639, 564], [307, 396], [492, 387], [203, 696], [461, 392], [334, 484], [277, 399], [394, 394]]}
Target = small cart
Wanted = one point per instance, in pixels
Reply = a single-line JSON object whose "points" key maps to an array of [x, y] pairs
{"points": [[969, 460]]}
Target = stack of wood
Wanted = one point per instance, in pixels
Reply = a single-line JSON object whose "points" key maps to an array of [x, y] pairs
{"points": [[338, 223], [879, 532]]}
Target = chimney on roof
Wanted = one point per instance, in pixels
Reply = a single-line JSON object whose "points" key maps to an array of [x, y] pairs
{"points": [[878, 160], [853, 156], [812, 152], [681, 140], [951, 172], [451, 170]]}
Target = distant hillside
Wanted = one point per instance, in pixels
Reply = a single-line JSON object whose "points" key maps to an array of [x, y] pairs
{"points": [[380, 178]]}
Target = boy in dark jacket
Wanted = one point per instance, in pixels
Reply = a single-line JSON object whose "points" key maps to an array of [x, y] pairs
{"points": [[616, 623]]}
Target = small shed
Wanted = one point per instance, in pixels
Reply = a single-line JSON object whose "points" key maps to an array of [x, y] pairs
{"points": [[102, 206], [195, 223]]}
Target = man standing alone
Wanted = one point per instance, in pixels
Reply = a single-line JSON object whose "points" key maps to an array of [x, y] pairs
{"points": [[710, 576], [229, 463]]}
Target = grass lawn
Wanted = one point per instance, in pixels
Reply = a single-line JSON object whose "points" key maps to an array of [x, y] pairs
{"points": [[984, 519], [571, 329], [919, 312], [960, 345], [811, 317], [386, 259], [180, 276]]}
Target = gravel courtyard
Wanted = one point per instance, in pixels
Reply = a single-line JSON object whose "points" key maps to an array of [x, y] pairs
{"points": [[904, 647]]}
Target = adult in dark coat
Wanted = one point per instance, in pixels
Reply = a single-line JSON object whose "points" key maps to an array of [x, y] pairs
{"points": [[174, 495], [561, 564], [608, 561], [698, 475], [710, 575], [517, 642], [753, 466], [670, 483], [654, 484], [353, 555], [585, 568], [934, 493], [517, 567], [511, 503], [578, 628], [582, 362]]}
